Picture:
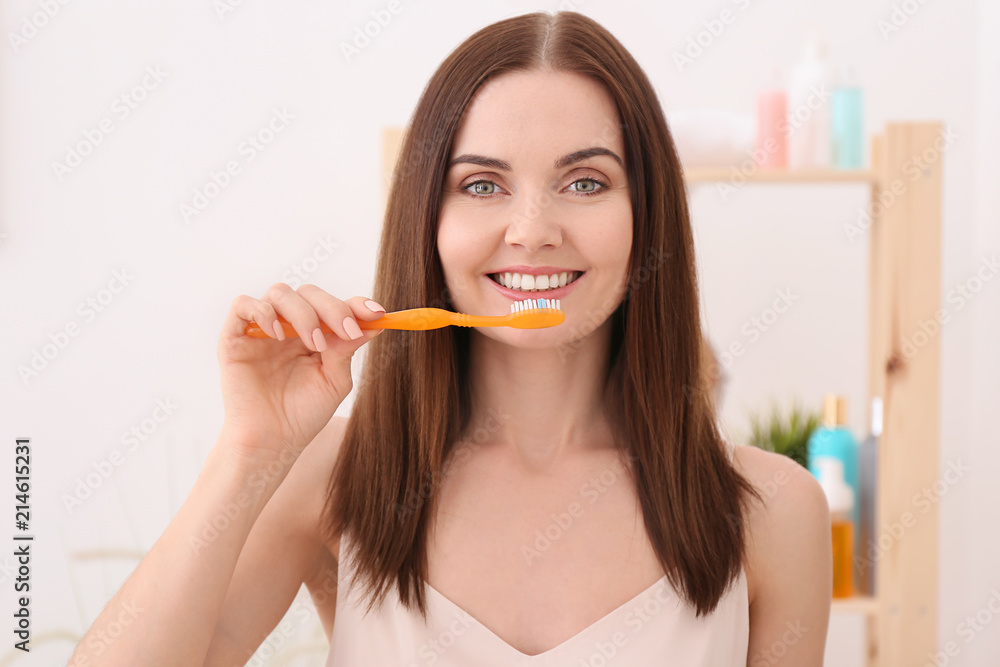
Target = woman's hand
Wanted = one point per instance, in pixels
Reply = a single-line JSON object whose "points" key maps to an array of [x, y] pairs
{"points": [[279, 392]]}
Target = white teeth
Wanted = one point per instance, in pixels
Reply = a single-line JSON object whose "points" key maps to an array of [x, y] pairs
{"points": [[528, 283]]}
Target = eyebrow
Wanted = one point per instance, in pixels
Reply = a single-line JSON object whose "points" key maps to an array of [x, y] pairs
{"points": [[564, 161]]}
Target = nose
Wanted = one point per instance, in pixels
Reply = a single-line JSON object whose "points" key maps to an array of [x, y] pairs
{"points": [[533, 227]]}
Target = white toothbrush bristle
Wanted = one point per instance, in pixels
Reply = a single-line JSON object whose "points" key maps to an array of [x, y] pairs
{"points": [[529, 304]]}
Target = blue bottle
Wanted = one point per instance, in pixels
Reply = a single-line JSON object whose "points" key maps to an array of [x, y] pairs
{"points": [[834, 439], [847, 119]]}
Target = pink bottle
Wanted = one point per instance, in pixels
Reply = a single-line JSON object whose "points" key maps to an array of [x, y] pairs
{"points": [[771, 149]]}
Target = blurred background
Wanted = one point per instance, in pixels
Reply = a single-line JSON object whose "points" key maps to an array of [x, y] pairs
{"points": [[160, 159]]}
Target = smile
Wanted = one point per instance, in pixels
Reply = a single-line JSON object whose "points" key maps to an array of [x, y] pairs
{"points": [[525, 282]]}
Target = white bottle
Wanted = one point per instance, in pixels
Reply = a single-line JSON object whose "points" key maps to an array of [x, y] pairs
{"points": [[809, 96]]}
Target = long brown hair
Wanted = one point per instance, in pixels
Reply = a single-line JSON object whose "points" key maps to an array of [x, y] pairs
{"points": [[413, 404]]}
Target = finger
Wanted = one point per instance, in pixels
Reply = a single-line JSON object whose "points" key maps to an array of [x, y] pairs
{"points": [[296, 310], [341, 317], [245, 309]]}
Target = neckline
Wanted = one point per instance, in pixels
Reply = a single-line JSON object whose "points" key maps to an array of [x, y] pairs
{"points": [[435, 594], [566, 642]]}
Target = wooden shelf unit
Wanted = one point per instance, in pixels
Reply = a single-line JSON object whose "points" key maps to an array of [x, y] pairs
{"points": [[904, 290]]}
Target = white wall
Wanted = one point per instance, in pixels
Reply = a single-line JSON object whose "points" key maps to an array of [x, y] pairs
{"points": [[318, 182]]}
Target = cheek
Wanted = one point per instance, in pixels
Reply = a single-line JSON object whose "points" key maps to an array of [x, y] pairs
{"points": [[611, 243], [462, 249]]}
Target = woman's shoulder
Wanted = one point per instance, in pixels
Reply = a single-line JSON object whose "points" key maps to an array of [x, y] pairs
{"points": [[792, 518]]}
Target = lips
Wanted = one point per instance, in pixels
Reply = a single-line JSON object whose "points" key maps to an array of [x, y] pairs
{"points": [[520, 294]]}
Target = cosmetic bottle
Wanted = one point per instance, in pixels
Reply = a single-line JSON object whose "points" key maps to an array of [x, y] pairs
{"points": [[846, 122], [840, 498], [832, 438], [771, 149], [809, 109], [865, 564]]}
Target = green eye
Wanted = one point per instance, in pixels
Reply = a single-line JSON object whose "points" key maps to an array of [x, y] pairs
{"points": [[482, 187], [587, 185]]}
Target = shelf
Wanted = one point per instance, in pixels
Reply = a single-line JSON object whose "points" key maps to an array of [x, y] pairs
{"points": [[734, 176], [859, 604]]}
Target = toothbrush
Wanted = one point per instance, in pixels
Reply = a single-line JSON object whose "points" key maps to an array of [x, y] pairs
{"points": [[527, 314]]}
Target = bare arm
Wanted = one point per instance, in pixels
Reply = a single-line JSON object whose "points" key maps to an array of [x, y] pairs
{"points": [[166, 611], [284, 549], [791, 563], [280, 393]]}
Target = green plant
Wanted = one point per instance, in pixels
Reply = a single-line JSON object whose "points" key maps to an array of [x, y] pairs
{"points": [[785, 434]]}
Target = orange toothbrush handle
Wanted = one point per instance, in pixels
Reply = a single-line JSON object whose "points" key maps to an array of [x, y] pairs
{"points": [[414, 319], [422, 319]]}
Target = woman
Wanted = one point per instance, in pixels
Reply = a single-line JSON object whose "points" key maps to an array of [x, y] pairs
{"points": [[499, 496]]}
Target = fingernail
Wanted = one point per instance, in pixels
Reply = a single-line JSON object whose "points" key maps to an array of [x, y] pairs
{"points": [[279, 332], [319, 340], [374, 307], [352, 328]]}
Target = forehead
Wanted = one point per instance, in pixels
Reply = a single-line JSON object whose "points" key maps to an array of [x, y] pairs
{"points": [[539, 111]]}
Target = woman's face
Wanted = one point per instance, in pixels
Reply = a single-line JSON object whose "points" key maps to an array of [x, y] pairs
{"points": [[537, 187]]}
